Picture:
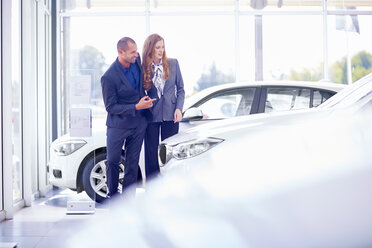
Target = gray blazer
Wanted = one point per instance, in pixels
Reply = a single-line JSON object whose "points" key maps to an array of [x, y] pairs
{"points": [[173, 95]]}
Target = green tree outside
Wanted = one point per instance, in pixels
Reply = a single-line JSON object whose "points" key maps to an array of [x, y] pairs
{"points": [[92, 62], [361, 66], [306, 75]]}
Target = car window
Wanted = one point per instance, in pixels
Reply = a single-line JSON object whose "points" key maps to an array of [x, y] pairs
{"points": [[320, 96], [282, 99], [228, 104]]}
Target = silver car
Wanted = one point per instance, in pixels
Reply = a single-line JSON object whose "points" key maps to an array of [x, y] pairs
{"points": [[289, 180], [237, 140]]}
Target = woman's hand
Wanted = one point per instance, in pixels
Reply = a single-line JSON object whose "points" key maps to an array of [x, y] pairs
{"points": [[177, 116]]}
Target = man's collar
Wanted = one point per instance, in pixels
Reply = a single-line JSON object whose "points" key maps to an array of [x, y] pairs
{"points": [[122, 67]]}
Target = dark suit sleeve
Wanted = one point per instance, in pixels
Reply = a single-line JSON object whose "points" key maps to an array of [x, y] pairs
{"points": [[152, 92], [110, 98], [180, 89]]}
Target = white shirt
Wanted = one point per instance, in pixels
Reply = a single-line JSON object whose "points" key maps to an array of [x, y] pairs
{"points": [[158, 80]]}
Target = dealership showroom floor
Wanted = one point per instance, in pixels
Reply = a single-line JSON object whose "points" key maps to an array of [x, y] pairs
{"points": [[46, 223]]}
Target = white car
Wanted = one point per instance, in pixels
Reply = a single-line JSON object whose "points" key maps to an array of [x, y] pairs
{"points": [[304, 180], [252, 140], [78, 163]]}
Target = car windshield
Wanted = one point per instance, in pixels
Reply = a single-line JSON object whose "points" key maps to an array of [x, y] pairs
{"points": [[361, 89]]}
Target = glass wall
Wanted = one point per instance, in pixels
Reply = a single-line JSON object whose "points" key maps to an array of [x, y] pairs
{"points": [[44, 101], [25, 102], [350, 55], [1, 120], [203, 46], [296, 48], [11, 159], [281, 5], [91, 54], [16, 103], [218, 41]]}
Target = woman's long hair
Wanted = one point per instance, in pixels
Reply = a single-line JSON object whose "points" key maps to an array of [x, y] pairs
{"points": [[148, 58]]}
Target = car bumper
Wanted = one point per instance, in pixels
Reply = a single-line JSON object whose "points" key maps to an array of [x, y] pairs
{"points": [[63, 170]]}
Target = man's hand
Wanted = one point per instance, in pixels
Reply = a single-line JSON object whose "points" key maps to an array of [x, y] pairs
{"points": [[145, 103]]}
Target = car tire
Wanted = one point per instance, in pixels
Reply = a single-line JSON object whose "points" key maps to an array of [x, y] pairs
{"points": [[94, 177]]}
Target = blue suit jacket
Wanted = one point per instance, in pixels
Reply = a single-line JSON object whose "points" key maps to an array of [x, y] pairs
{"points": [[120, 98], [173, 95]]}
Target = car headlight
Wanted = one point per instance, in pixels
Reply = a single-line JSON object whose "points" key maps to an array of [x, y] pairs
{"points": [[65, 148], [186, 149]]}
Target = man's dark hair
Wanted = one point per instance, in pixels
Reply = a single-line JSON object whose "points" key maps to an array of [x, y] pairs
{"points": [[123, 43]]}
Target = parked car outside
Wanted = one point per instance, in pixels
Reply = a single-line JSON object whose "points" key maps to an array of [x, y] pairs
{"points": [[78, 163], [237, 140]]}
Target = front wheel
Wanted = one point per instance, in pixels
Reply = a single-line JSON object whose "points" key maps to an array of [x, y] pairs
{"points": [[94, 177]]}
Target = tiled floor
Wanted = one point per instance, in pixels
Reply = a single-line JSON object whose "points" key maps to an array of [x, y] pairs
{"points": [[45, 223]]}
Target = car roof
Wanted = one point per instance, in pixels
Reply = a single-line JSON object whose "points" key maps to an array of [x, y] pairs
{"points": [[227, 86]]}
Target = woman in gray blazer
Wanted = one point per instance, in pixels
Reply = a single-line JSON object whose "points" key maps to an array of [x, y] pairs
{"points": [[163, 81]]}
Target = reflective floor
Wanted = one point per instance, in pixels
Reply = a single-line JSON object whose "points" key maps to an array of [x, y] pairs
{"points": [[46, 223]]}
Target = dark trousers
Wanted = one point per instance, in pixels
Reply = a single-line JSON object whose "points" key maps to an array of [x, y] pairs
{"points": [[166, 129], [132, 139]]}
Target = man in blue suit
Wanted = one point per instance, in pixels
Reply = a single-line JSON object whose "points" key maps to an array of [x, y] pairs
{"points": [[127, 107]]}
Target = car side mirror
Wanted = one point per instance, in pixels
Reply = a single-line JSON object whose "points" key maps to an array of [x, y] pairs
{"points": [[192, 114]]}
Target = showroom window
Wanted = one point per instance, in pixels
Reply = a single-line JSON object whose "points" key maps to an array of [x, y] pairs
{"points": [[297, 46], [204, 61], [26, 70], [350, 55], [44, 84], [1, 120], [16, 103], [216, 41]]}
